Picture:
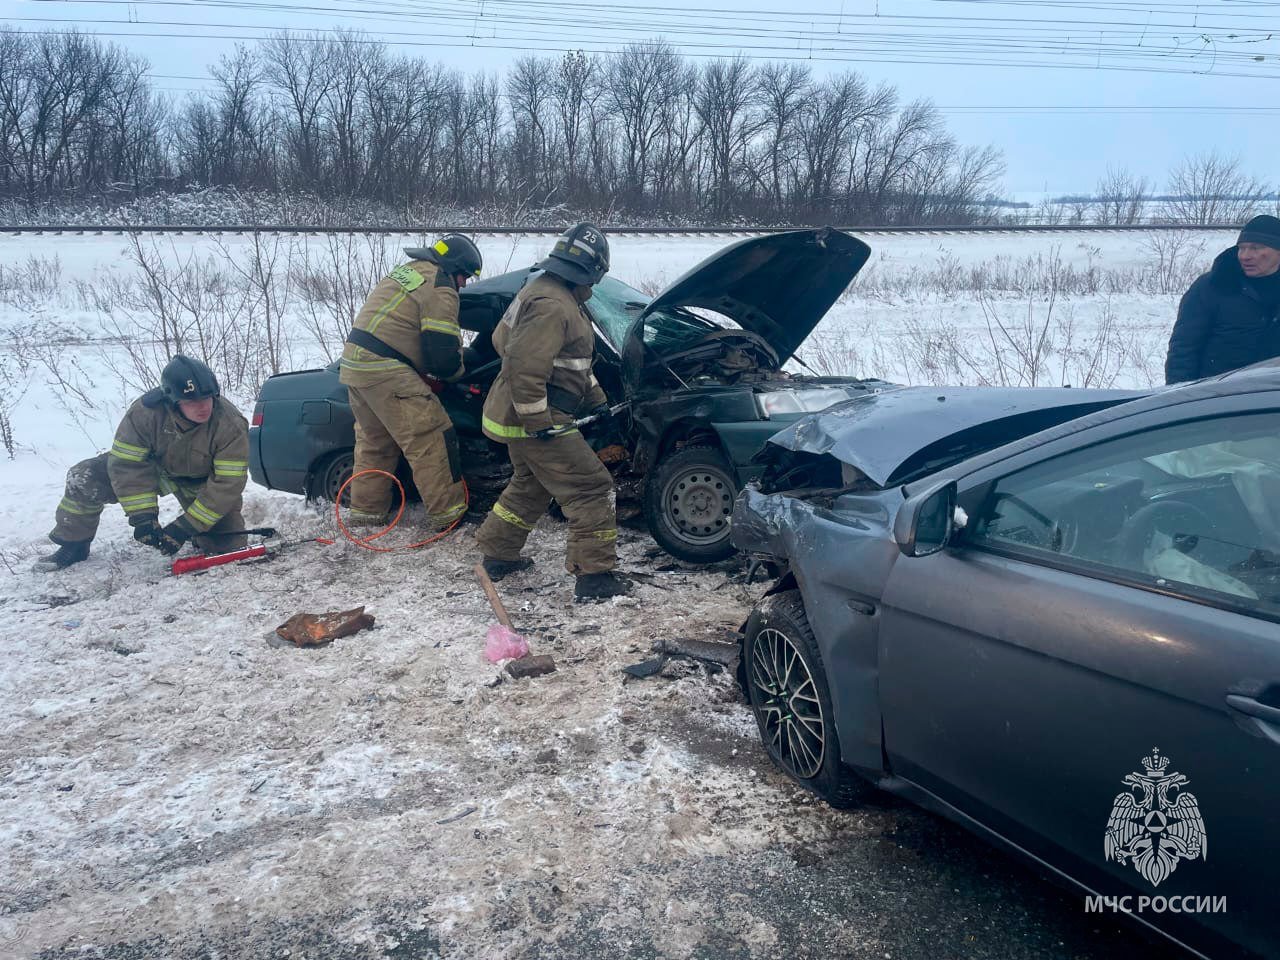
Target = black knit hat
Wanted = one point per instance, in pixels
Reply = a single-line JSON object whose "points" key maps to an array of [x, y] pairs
{"points": [[1264, 230]]}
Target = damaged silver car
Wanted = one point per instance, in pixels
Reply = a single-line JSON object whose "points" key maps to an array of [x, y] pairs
{"points": [[1051, 615]]}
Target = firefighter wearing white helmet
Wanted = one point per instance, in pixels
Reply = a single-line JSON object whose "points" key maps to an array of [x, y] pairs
{"points": [[547, 347], [182, 438]]}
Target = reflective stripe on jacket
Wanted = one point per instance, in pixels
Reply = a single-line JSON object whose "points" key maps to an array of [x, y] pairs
{"points": [[545, 340], [415, 310], [157, 449]]}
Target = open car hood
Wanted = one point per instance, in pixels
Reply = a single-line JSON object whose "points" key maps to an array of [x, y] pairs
{"points": [[776, 286], [896, 435]]}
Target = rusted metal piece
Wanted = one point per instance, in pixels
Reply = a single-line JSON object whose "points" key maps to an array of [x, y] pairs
{"points": [[318, 629]]}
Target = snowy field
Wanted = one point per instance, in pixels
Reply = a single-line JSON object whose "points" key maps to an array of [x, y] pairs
{"points": [[173, 784]]}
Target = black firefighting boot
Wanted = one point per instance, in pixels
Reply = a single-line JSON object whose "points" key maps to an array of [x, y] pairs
{"points": [[497, 569], [64, 556], [600, 586]]}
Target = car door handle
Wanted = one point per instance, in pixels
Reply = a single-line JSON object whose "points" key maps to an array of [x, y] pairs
{"points": [[1254, 708]]}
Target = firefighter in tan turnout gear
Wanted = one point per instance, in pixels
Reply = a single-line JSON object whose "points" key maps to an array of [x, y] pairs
{"points": [[547, 345], [181, 438], [408, 331]]}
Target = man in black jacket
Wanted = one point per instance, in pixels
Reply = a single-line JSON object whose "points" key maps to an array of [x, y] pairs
{"points": [[1230, 317]]}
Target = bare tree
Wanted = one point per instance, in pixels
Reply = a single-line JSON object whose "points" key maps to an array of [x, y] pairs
{"points": [[133, 119], [645, 130], [841, 113], [574, 88], [680, 147], [895, 153], [349, 59], [781, 90], [1211, 188], [50, 87], [300, 70], [726, 94], [637, 88], [529, 94], [241, 148], [1121, 198]]}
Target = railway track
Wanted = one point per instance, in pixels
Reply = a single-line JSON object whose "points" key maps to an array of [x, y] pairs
{"points": [[101, 230]]}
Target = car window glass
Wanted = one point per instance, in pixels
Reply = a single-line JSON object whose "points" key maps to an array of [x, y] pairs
{"points": [[1193, 507], [616, 306]]}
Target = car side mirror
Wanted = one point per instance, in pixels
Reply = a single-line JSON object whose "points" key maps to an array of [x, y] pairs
{"points": [[926, 521]]}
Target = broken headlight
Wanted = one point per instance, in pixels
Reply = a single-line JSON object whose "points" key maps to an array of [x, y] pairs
{"points": [[780, 402]]}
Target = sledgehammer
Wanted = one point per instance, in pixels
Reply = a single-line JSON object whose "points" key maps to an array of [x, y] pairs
{"points": [[504, 642]]}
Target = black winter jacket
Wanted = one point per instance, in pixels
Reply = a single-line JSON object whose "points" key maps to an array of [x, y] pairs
{"points": [[1222, 325]]}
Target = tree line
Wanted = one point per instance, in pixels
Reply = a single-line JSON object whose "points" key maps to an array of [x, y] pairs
{"points": [[1204, 189], [643, 132]]}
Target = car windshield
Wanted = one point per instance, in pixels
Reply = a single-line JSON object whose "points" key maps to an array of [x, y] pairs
{"points": [[615, 307]]}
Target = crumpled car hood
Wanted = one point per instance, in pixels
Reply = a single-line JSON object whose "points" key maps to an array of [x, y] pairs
{"points": [[880, 433], [776, 286]]}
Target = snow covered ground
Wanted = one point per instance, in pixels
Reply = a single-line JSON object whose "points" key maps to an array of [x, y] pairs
{"points": [[173, 784]]}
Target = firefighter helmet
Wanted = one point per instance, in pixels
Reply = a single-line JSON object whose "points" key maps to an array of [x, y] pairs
{"points": [[581, 255], [456, 254], [184, 378]]}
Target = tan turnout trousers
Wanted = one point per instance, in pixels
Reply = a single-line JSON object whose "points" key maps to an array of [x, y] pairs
{"points": [[396, 413], [567, 469]]}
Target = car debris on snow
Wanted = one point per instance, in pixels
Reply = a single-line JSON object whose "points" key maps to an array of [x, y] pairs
{"points": [[318, 629]]}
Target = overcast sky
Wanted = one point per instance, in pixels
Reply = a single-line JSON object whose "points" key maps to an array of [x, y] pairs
{"points": [[1063, 87]]}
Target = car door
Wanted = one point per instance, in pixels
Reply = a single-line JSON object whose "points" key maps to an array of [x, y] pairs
{"points": [[1092, 670]]}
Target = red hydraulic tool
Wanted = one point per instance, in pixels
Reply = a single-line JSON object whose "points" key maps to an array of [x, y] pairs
{"points": [[207, 561]]}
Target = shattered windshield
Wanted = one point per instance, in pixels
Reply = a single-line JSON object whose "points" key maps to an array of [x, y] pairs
{"points": [[616, 306], [609, 306]]}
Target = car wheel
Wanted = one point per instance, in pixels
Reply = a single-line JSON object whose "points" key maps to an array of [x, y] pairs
{"points": [[688, 501], [332, 474], [787, 687]]}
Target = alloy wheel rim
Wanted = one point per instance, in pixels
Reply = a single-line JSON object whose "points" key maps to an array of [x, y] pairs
{"points": [[699, 503], [790, 712]]}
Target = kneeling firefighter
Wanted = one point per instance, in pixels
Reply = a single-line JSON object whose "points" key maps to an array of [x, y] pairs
{"points": [[547, 347], [408, 332], [182, 438]]}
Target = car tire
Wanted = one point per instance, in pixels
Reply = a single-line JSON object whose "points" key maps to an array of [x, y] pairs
{"points": [[687, 502], [331, 474], [787, 689]]}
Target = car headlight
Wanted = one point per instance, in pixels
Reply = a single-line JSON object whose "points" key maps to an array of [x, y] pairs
{"points": [[780, 402]]}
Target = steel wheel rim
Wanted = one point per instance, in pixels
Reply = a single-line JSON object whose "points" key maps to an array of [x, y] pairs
{"points": [[698, 504], [790, 713], [336, 475]]}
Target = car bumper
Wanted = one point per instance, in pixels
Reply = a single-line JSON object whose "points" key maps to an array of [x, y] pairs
{"points": [[257, 472], [765, 524], [742, 441]]}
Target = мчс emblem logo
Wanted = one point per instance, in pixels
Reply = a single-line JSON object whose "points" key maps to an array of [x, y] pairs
{"points": [[1155, 823]]}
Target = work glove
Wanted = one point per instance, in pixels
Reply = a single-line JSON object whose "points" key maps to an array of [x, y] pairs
{"points": [[176, 533], [604, 415], [148, 532]]}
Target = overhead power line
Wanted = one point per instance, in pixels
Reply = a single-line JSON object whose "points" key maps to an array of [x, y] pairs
{"points": [[1194, 47]]}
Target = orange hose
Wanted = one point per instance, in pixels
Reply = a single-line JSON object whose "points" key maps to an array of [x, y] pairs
{"points": [[367, 542]]}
